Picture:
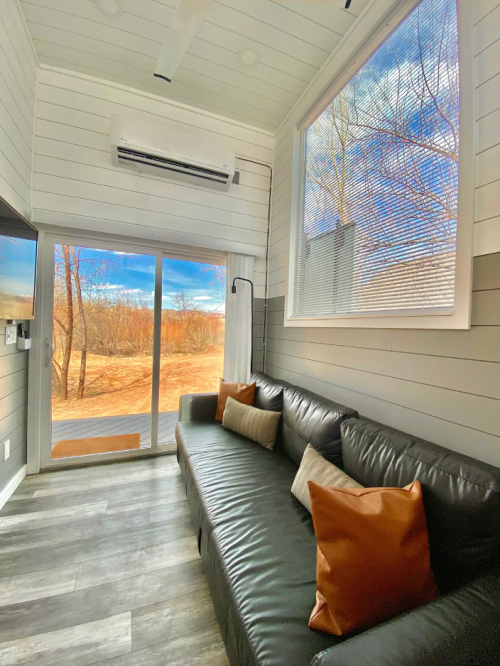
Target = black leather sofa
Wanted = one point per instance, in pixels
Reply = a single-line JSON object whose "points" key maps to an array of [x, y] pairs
{"points": [[259, 551]]}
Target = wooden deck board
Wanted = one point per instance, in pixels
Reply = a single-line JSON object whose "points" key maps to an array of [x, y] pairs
{"points": [[117, 425]]}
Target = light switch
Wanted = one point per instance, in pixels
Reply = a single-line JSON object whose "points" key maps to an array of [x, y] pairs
{"points": [[10, 335], [6, 449]]}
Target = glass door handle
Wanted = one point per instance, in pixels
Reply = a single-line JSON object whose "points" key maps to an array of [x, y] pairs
{"points": [[49, 353]]}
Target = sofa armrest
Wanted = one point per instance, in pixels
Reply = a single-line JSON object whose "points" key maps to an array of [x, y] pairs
{"points": [[198, 407], [459, 629]]}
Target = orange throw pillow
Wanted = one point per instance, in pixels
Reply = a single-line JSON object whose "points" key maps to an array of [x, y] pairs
{"points": [[243, 393], [373, 558]]}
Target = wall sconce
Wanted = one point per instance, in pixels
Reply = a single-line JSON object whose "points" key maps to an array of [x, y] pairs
{"points": [[233, 298]]}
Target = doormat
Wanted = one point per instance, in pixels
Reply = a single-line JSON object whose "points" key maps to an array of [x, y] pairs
{"points": [[68, 448]]}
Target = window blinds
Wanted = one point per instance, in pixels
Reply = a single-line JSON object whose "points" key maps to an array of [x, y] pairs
{"points": [[378, 211]]}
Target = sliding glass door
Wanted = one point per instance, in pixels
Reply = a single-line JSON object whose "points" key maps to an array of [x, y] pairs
{"points": [[126, 332], [102, 351], [192, 336]]}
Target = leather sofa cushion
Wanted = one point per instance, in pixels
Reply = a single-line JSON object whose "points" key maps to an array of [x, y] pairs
{"points": [[268, 392], [207, 437], [234, 476], [309, 418], [264, 589], [461, 495], [269, 396]]}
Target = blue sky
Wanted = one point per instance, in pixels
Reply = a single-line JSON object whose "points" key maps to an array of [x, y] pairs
{"points": [[134, 274], [17, 265], [196, 280]]}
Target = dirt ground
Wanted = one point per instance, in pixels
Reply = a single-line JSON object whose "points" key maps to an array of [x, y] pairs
{"points": [[117, 386]]}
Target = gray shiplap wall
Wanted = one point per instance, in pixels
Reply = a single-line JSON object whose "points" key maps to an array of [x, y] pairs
{"points": [[443, 386], [258, 333], [13, 403]]}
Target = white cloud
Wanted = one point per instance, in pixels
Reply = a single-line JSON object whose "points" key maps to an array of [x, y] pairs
{"points": [[202, 298], [106, 287], [135, 291], [100, 249]]}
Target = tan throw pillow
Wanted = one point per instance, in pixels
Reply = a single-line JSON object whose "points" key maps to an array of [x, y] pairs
{"points": [[314, 467], [257, 424]]}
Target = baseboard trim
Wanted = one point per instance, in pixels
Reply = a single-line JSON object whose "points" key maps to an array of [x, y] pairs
{"points": [[7, 492]]}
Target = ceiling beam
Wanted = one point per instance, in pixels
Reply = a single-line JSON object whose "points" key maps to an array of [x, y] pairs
{"points": [[185, 23]]}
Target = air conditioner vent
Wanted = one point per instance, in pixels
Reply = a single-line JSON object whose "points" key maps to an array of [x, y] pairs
{"points": [[170, 164], [170, 151]]}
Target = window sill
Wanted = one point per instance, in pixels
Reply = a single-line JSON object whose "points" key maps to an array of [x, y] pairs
{"points": [[440, 321]]}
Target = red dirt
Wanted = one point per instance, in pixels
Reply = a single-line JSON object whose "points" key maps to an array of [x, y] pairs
{"points": [[117, 386]]}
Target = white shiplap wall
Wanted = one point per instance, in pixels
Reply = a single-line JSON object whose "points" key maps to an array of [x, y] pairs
{"points": [[18, 71], [487, 48], [440, 385], [75, 184]]}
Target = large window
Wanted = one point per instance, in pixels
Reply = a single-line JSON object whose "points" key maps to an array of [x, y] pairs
{"points": [[376, 231]]}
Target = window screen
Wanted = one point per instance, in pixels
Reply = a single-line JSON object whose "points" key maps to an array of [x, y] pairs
{"points": [[378, 211]]}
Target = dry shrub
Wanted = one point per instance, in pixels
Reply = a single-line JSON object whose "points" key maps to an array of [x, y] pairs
{"points": [[190, 332], [123, 326]]}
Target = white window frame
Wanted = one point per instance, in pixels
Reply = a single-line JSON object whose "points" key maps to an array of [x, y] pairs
{"points": [[460, 316]]}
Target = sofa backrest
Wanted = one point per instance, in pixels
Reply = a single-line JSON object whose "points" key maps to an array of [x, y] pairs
{"points": [[268, 392], [309, 418], [461, 495]]}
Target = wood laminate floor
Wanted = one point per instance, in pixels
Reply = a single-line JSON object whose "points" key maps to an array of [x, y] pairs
{"points": [[100, 565]]}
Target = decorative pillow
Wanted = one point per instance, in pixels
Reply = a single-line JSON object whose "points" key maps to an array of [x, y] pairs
{"points": [[257, 424], [315, 468], [373, 558], [241, 392]]}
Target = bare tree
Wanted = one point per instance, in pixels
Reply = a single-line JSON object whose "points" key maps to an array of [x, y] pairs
{"points": [[184, 304], [389, 141], [75, 255], [68, 326], [328, 167], [83, 278], [217, 283]]}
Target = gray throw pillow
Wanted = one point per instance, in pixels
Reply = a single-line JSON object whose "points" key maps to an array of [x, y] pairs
{"points": [[257, 424], [315, 468]]}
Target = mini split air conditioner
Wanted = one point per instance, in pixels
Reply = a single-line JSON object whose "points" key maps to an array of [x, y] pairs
{"points": [[164, 149]]}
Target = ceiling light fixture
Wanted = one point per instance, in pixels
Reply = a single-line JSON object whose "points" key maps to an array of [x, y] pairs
{"points": [[248, 57], [109, 8]]}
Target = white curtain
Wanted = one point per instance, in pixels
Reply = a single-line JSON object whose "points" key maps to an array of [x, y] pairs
{"points": [[239, 332]]}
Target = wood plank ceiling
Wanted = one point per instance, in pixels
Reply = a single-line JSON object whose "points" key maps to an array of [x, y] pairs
{"points": [[292, 39]]}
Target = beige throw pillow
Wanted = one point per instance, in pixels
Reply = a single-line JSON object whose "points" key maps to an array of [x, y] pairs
{"points": [[314, 467], [257, 424]]}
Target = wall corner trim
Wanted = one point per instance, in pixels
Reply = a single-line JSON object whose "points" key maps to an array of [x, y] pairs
{"points": [[11, 486]]}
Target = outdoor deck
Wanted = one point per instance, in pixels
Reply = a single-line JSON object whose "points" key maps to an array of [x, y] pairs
{"points": [[117, 425]]}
